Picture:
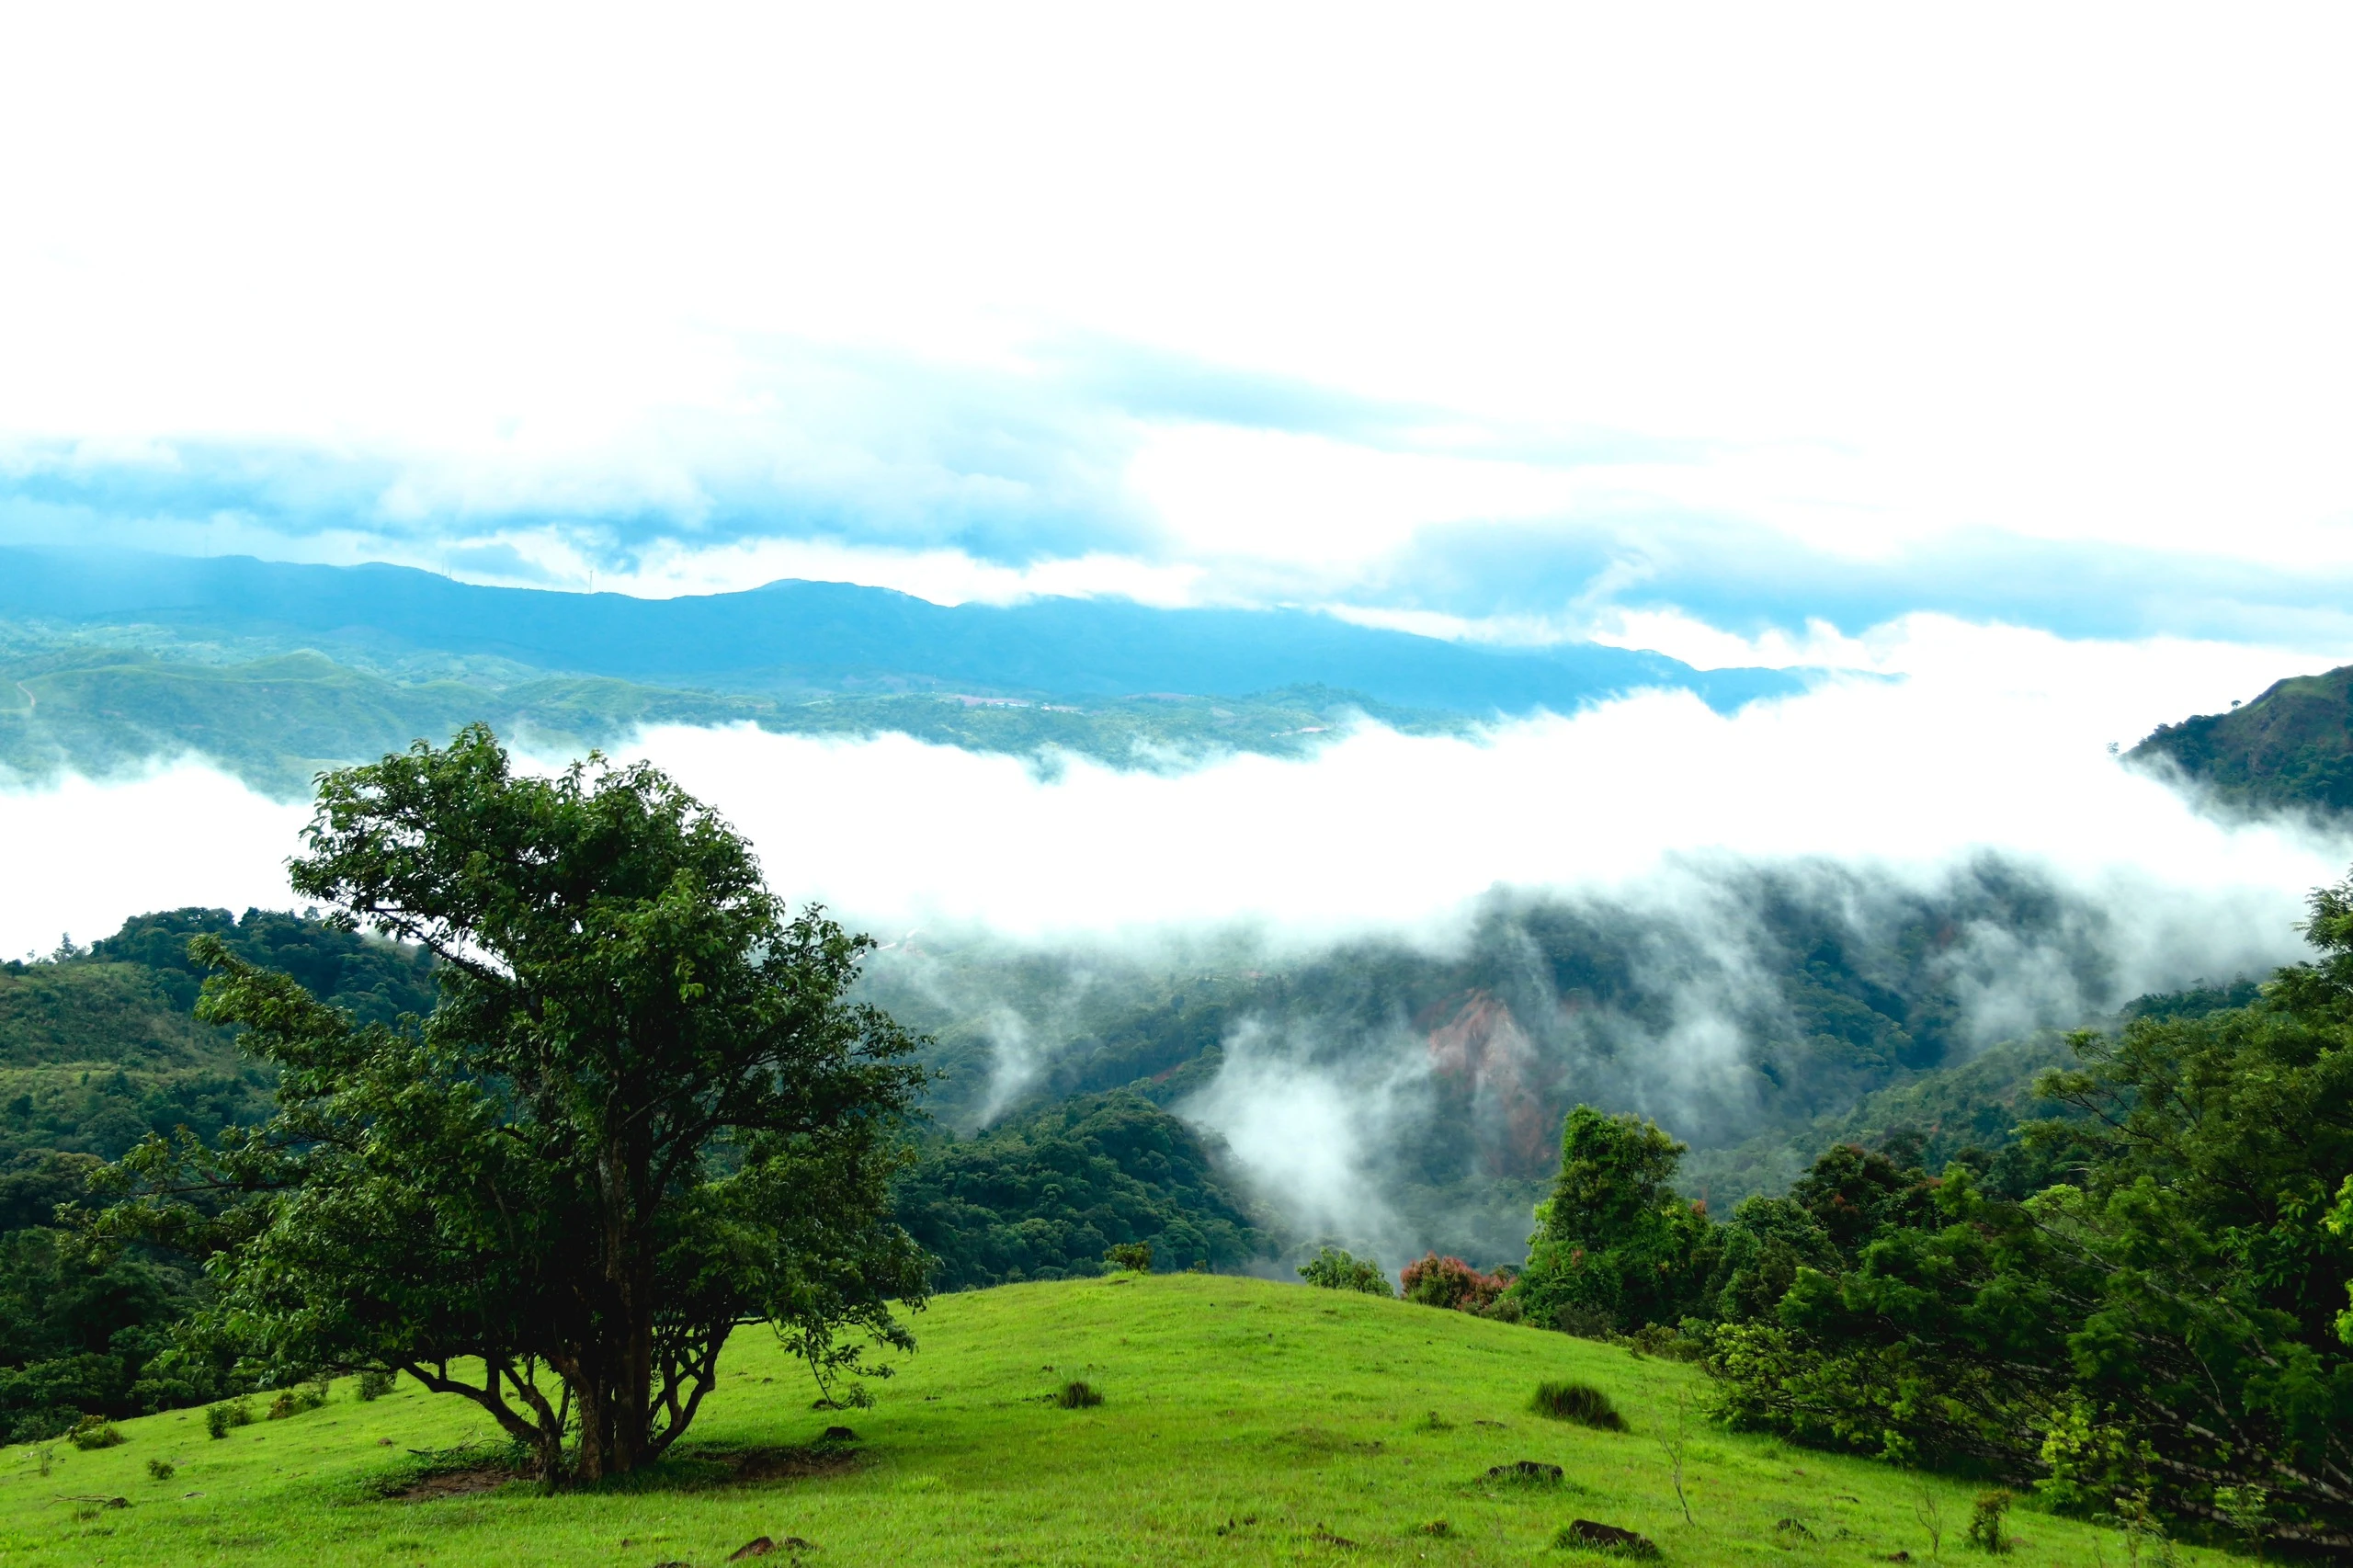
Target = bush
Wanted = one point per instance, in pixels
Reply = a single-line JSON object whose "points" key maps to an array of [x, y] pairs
{"points": [[1077, 1395], [1580, 1402], [1985, 1521], [1332, 1270], [1670, 1344], [1135, 1255], [219, 1419], [1449, 1282], [1581, 1322], [294, 1402], [93, 1432], [161, 1470], [375, 1384]]}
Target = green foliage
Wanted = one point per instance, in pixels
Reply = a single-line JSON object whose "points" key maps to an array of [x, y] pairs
{"points": [[1333, 1269], [1614, 1242], [375, 1384], [221, 1419], [641, 1113], [1579, 1403], [297, 1400], [2290, 748], [1046, 1197], [1134, 1256], [161, 1470], [93, 1432], [1985, 1520], [2159, 1332], [1077, 1395]]}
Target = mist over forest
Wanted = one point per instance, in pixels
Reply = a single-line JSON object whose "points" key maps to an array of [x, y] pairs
{"points": [[1391, 947]]}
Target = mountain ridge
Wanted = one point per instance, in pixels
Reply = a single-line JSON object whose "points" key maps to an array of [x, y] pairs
{"points": [[795, 634]]}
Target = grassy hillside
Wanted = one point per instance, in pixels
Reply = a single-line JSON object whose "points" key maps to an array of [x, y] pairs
{"points": [[1243, 1423], [2291, 747]]}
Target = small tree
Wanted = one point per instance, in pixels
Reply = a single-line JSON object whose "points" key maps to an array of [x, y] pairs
{"points": [[1613, 1240], [1436, 1281], [1332, 1270], [643, 1113]]}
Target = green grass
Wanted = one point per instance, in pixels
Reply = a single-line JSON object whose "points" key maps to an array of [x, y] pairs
{"points": [[1242, 1423]]}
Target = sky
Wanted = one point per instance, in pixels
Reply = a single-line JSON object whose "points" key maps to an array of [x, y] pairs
{"points": [[1741, 333], [2000, 352]]}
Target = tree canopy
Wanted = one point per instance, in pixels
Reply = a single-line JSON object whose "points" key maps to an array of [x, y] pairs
{"points": [[2141, 1308], [643, 1111]]}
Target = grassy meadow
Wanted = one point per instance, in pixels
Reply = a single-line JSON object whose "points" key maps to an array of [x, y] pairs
{"points": [[1241, 1422]]}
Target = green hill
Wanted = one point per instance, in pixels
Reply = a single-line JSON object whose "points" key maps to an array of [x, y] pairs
{"points": [[275, 717], [2291, 747], [1969, 1110], [1241, 1422]]}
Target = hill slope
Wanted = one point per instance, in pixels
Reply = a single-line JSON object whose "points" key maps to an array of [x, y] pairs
{"points": [[1242, 1423], [2291, 747]]}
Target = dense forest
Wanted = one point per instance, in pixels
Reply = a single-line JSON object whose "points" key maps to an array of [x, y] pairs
{"points": [[2135, 1301], [1048, 1195], [99, 1048], [1813, 988]]}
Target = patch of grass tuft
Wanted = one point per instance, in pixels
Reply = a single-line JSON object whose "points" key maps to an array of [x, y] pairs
{"points": [[1591, 1535], [1077, 1395], [1580, 1402]]}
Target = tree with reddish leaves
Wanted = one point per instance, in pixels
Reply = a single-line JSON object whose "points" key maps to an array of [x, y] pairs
{"points": [[1436, 1281]]}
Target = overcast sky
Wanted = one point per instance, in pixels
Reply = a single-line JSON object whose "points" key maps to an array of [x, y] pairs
{"points": [[1730, 331]]}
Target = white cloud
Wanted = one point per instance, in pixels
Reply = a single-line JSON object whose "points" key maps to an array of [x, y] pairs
{"points": [[1993, 739], [1872, 277], [82, 856]]}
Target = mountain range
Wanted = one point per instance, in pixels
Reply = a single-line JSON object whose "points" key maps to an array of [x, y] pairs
{"points": [[804, 637]]}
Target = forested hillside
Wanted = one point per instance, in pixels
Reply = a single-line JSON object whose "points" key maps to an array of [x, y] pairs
{"points": [[98, 1049], [1799, 994], [276, 719], [1046, 1195], [2290, 748]]}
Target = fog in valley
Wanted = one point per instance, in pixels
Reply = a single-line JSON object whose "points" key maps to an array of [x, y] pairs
{"points": [[1381, 975]]}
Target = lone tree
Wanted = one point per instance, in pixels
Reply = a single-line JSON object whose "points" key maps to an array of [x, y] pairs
{"points": [[643, 1113]]}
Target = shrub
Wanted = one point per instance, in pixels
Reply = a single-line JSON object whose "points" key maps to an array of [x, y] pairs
{"points": [[1581, 1322], [161, 1470], [1985, 1521], [1332, 1270], [1135, 1255], [1505, 1308], [1580, 1402], [294, 1402], [375, 1384], [93, 1432], [1669, 1344], [1438, 1281], [226, 1414], [1077, 1395]]}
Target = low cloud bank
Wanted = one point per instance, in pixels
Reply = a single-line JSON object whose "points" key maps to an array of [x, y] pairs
{"points": [[1979, 782]]}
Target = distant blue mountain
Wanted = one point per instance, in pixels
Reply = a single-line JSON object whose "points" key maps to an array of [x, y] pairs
{"points": [[837, 636]]}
